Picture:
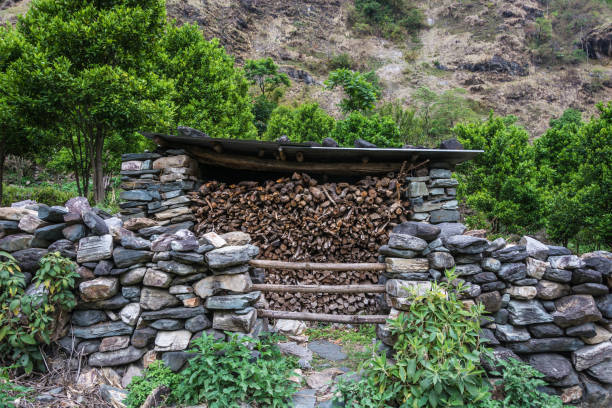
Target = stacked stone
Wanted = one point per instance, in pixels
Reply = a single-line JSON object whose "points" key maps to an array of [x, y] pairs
{"points": [[432, 194], [546, 306], [156, 187]]}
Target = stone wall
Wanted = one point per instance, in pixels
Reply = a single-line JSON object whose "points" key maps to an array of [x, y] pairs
{"points": [[544, 305]]}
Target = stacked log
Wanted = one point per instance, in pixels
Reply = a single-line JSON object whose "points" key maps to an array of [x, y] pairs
{"points": [[299, 219]]}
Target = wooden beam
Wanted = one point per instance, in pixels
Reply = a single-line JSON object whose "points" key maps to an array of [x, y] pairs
{"points": [[235, 161], [316, 266], [320, 288], [322, 317]]}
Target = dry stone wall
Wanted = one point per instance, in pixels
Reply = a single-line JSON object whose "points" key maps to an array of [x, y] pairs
{"points": [[544, 305]]}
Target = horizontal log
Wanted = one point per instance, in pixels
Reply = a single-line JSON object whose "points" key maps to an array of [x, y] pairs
{"points": [[317, 266], [322, 317], [320, 288]]}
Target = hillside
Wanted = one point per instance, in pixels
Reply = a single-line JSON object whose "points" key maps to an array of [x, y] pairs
{"points": [[496, 50]]}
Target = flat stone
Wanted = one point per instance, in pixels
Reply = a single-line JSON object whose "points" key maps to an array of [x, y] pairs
{"points": [[536, 268], [95, 248], [52, 214], [589, 356], [87, 317], [560, 344], [139, 195], [327, 350], [422, 230], [401, 265], [594, 289], [166, 324], [197, 323], [545, 330], [409, 242], [232, 302], [9, 227], [554, 366], [293, 349], [135, 224], [95, 223], [99, 289], [232, 270], [114, 358], [574, 310], [210, 285], [172, 213], [490, 264], [30, 223], [304, 399], [583, 330], [467, 270], [552, 290], [174, 313], [465, 244], [558, 251], [156, 278], [128, 257], [230, 256], [177, 340], [134, 242], [143, 337], [49, 234], [490, 300], [175, 360], [600, 336], [16, 213], [236, 238], [184, 241], [17, 242], [511, 254], [512, 271], [107, 329], [133, 276], [177, 268], [448, 229], [528, 312], [601, 264], [403, 288], [192, 258], [103, 268], [558, 275], [484, 277], [231, 321], [534, 248], [584, 275], [510, 333], [131, 292], [565, 262], [417, 189], [602, 371], [130, 314], [65, 247], [114, 343], [604, 304], [441, 260], [156, 299], [114, 303]]}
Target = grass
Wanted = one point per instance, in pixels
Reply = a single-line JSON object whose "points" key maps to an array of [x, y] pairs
{"points": [[354, 342]]}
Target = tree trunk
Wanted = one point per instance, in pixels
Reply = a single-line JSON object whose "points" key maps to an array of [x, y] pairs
{"points": [[2, 159], [98, 177]]}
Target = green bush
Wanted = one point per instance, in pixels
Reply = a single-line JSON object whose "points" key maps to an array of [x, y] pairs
{"points": [[392, 19], [377, 129], [42, 194], [9, 392], [362, 89], [342, 60], [307, 122], [225, 374], [437, 355], [26, 321]]}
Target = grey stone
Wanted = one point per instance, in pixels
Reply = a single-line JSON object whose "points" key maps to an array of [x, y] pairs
{"points": [[128, 257], [552, 290], [549, 305], [486, 335], [115, 358], [417, 189], [232, 270], [156, 299], [467, 270], [52, 214], [143, 337], [175, 360], [174, 313], [197, 323], [134, 242], [574, 310], [441, 260], [99, 330], [88, 347], [238, 321], [448, 229], [545, 330], [565, 262], [95, 223], [131, 292], [583, 275], [515, 253], [139, 195], [177, 340], [187, 257], [166, 324], [465, 244], [583, 330], [232, 302], [327, 350], [16, 242], [490, 300], [99, 289], [95, 248], [491, 264], [525, 282], [87, 317], [77, 205], [396, 253], [534, 248], [156, 278], [484, 277], [440, 216], [114, 303], [597, 395], [510, 333], [230, 256], [512, 271], [50, 233], [558, 251], [498, 354], [602, 371], [496, 245], [103, 268], [409, 242], [440, 173], [527, 312], [554, 366], [501, 317], [133, 276], [184, 241], [177, 268], [604, 304], [594, 289], [598, 263], [130, 314], [421, 230], [65, 247], [558, 275], [444, 183], [304, 399], [468, 258], [10, 227], [558, 344], [589, 356], [491, 286]]}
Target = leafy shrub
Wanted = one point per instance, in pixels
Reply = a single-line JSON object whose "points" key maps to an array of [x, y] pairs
{"points": [[307, 122], [520, 384], [343, 60], [224, 374], [437, 355], [362, 90], [42, 194], [156, 374], [377, 129], [392, 19], [26, 321], [9, 391]]}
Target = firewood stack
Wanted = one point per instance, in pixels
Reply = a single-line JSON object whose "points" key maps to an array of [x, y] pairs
{"points": [[300, 219]]}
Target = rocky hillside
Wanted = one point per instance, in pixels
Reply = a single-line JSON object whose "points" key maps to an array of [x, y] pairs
{"points": [[494, 49]]}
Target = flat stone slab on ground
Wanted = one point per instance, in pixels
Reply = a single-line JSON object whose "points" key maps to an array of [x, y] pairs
{"points": [[327, 350]]}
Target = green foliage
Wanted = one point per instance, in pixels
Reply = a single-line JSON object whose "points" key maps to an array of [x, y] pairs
{"points": [[264, 74], [500, 182], [262, 111], [520, 384], [359, 88], [437, 356], [377, 129], [392, 19], [339, 61], [9, 391], [156, 375], [26, 321], [362, 334], [223, 374], [41, 194], [307, 122]]}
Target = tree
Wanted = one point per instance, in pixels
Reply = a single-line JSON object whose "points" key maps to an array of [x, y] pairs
{"points": [[210, 93], [89, 76], [501, 181], [263, 73], [306, 123], [361, 93], [380, 130]]}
